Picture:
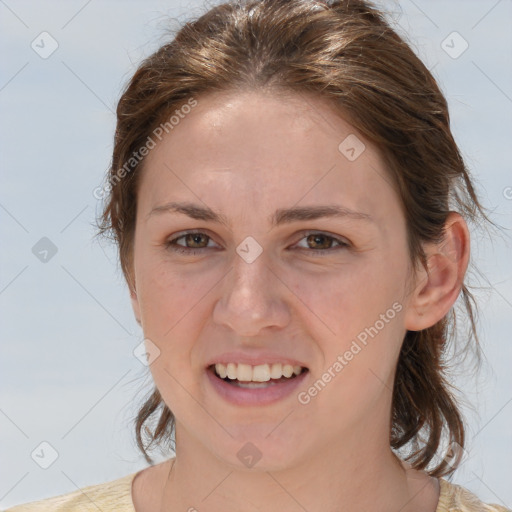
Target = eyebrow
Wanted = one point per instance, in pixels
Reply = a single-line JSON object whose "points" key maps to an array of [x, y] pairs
{"points": [[281, 216]]}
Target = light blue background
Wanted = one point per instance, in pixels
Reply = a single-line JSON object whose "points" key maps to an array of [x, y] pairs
{"points": [[69, 376]]}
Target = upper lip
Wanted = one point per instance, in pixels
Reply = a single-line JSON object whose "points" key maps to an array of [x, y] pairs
{"points": [[253, 359]]}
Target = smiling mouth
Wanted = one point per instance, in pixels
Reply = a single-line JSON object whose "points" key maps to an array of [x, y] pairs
{"points": [[262, 380]]}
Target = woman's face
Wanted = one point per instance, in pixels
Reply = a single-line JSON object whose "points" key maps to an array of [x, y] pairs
{"points": [[271, 282]]}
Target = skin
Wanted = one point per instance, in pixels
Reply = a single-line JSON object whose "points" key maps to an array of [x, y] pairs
{"points": [[242, 155]]}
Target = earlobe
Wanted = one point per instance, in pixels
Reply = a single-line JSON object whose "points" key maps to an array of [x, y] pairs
{"points": [[439, 286]]}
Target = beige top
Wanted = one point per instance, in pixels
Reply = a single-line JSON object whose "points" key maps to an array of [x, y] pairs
{"points": [[115, 496]]}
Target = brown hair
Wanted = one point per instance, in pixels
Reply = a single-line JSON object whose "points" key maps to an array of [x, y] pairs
{"points": [[346, 52]]}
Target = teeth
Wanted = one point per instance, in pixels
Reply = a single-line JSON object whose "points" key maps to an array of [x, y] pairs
{"points": [[244, 372], [221, 371], [260, 373], [276, 371], [231, 370]]}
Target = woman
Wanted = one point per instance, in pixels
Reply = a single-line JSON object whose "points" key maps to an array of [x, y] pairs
{"points": [[290, 208]]}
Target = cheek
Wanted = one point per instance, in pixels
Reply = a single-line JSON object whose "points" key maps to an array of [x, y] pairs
{"points": [[174, 309], [164, 293], [347, 300], [356, 314], [172, 313]]}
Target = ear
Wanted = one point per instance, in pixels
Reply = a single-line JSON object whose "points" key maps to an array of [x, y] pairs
{"points": [[135, 302], [438, 287]]}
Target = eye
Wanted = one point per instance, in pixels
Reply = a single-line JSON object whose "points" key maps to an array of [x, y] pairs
{"points": [[318, 243], [195, 241]]}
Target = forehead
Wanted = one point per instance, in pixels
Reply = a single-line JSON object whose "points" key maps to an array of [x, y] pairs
{"points": [[259, 148]]}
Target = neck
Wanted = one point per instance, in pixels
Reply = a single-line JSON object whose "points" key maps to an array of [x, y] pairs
{"points": [[334, 479]]}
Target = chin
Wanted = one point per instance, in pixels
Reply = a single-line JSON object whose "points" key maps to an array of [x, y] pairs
{"points": [[252, 448]]}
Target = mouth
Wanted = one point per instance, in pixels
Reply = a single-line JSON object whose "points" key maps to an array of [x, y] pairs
{"points": [[254, 377]]}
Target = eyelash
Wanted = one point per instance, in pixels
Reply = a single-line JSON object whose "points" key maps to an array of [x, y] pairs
{"points": [[173, 246]]}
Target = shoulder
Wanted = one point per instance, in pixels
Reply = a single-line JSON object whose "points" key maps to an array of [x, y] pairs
{"points": [[108, 496], [455, 498]]}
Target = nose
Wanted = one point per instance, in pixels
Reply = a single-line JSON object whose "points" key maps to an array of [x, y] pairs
{"points": [[253, 298]]}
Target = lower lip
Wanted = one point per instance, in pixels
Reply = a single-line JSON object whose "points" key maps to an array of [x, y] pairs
{"points": [[255, 396]]}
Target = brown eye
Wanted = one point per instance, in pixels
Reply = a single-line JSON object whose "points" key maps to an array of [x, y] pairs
{"points": [[316, 243], [322, 244], [320, 241], [195, 242]]}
